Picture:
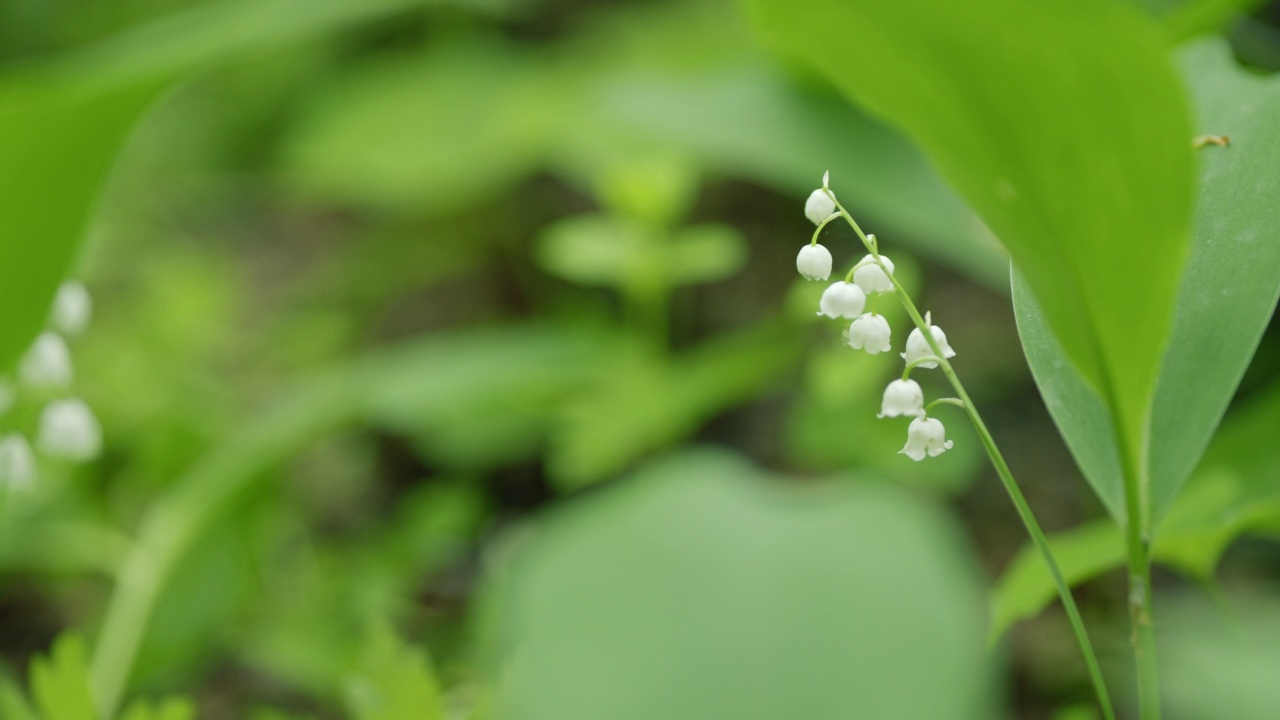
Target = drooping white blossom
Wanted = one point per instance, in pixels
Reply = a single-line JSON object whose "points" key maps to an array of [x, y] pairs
{"points": [[47, 363], [918, 347], [72, 308], [869, 332], [69, 430], [819, 206], [814, 262], [925, 436], [902, 397], [871, 277], [17, 462], [842, 300]]}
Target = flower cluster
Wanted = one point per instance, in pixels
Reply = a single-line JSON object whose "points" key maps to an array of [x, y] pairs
{"points": [[869, 331], [64, 426]]}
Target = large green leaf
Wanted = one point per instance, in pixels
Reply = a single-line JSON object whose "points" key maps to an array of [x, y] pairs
{"points": [[1225, 299], [1064, 125], [701, 589]]}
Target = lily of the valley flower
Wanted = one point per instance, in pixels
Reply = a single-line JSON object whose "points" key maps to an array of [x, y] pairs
{"points": [[842, 300], [902, 397], [918, 347], [870, 277], [925, 436], [69, 430], [870, 332], [72, 308], [17, 462], [819, 206], [47, 363], [814, 262]]}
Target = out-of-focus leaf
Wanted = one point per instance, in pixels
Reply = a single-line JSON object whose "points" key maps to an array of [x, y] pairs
{"points": [[1226, 296], [394, 682], [643, 402], [61, 125], [13, 705], [175, 708], [612, 252], [660, 598], [435, 132], [60, 682], [1065, 127], [1025, 588], [1221, 665]]}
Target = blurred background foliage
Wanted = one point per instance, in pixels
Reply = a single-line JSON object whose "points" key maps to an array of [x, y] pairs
{"points": [[424, 326]]}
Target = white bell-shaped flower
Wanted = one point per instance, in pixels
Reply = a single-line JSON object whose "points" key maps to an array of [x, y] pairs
{"points": [[918, 347], [819, 206], [925, 436], [869, 332], [68, 430], [17, 462], [871, 277], [902, 397], [842, 300], [814, 262], [72, 308], [47, 363]]}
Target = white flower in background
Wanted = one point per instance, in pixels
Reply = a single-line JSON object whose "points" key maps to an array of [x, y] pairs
{"points": [[918, 347], [925, 436], [870, 332], [6, 395], [819, 206], [72, 308], [68, 430], [17, 462], [871, 277], [842, 299], [902, 397], [814, 262], [47, 362]]}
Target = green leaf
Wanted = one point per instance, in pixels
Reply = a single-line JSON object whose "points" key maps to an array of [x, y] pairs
{"points": [[60, 682], [1064, 125], [1025, 588], [660, 597], [1234, 491], [13, 704], [1225, 300], [174, 708], [394, 681]]}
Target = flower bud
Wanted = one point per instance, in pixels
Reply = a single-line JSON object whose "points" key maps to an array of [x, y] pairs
{"points": [[72, 308], [47, 363], [814, 262], [869, 332], [17, 462], [68, 430], [819, 206], [870, 277], [842, 299], [902, 397], [925, 436], [918, 347]]}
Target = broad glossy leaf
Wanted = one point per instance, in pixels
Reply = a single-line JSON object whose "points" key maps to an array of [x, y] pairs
{"points": [[1064, 125], [1226, 296], [661, 597]]}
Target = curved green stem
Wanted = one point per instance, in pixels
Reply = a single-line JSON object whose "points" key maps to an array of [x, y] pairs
{"points": [[944, 401], [1006, 478]]}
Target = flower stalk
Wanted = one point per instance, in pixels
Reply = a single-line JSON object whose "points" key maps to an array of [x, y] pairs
{"points": [[937, 355]]}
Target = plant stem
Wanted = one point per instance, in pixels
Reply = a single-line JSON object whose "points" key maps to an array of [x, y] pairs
{"points": [[1011, 487], [1136, 538]]}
